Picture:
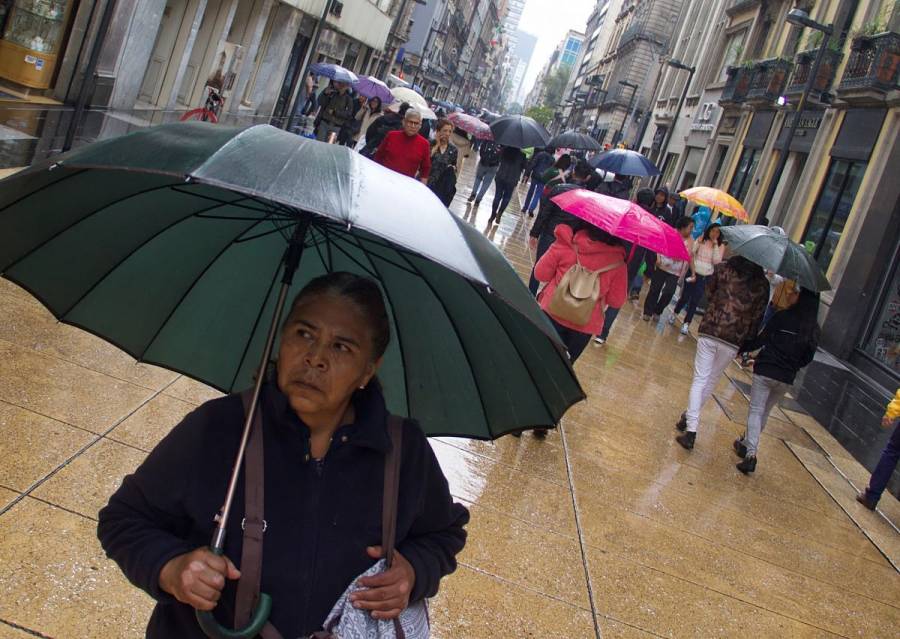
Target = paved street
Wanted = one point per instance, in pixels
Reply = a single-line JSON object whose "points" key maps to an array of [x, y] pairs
{"points": [[608, 528]]}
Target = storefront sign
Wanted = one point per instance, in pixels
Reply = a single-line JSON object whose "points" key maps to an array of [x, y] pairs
{"points": [[705, 118], [807, 126]]}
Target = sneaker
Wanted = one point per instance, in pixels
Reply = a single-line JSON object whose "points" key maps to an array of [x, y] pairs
{"points": [[739, 449], [471, 198], [672, 319], [599, 340], [645, 317], [686, 440], [634, 297], [864, 499], [748, 465], [685, 329]]}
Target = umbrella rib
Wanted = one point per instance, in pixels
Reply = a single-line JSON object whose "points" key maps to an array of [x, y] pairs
{"points": [[353, 259], [421, 275], [277, 229], [252, 198], [74, 173], [69, 227], [194, 283], [121, 261]]}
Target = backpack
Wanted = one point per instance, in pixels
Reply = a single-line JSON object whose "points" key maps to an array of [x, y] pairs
{"points": [[578, 292], [490, 154]]}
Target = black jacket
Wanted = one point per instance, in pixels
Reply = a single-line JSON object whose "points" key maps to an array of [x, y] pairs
{"points": [[337, 108], [550, 214], [512, 163], [786, 347], [320, 517], [383, 125]]}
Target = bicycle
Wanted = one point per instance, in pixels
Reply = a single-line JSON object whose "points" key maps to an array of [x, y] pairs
{"points": [[209, 112]]}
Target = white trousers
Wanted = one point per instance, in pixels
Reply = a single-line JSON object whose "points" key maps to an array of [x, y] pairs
{"points": [[710, 362]]}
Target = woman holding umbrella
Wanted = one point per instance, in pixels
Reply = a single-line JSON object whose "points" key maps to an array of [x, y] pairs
{"points": [[367, 114], [707, 252], [512, 163], [446, 162]]}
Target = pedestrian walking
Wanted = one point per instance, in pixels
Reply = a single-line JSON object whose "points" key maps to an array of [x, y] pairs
{"points": [[366, 116], [661, 207], [445, 163], [512, 163], [678, 204], [584, 271], [542, 233], [538, 166], [488, 165], [383, 125], [707, 252], [323, 437], [889, 457], [463, 143], [406, 151], [786, 345], [668, 272], [310, 105], [335, 110], [737, 294]]}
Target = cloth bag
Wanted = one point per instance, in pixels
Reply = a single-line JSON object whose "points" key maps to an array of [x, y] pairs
{"points": [[577, 293]]}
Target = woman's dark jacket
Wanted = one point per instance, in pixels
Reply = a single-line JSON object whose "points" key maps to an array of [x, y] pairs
{"points": [[320, 516], [550, 214], [787, 346], [512, 163]]}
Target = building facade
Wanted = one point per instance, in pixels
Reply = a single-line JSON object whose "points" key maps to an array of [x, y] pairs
{"points": [[563, 58]]}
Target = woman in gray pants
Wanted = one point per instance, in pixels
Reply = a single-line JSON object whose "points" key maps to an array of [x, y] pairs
{"points": [[786, 344]]}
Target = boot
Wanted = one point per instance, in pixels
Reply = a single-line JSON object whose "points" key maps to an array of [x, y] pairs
{"points": [[471, 198], [686, 440], [748, 465], [682, 423], [739, 448], [866, 501], [540, 433]]}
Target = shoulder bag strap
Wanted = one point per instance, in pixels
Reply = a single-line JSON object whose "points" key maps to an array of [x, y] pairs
{"points": [[391, 496]]}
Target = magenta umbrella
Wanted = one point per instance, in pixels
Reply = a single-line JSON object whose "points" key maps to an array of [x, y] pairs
{"points": [[625, 220], [471, 124]]}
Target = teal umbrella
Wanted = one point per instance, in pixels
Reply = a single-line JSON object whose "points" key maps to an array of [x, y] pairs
{"points": [[180, 245]]}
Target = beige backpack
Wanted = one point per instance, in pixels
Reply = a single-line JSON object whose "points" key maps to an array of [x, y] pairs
{"points": [[578, 293]]}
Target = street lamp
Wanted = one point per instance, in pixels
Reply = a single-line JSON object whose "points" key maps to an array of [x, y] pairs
{"points": [[799, 18], [633, 87], [664, 147]]}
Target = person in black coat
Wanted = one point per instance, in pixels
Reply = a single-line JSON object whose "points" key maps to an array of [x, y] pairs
{"points": [[787, 344], [377, 131], [512, 163], [324, 442]]}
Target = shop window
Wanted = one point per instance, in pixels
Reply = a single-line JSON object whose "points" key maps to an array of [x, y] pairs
{"points": [[883, 342], [833, 208], [740, 183]]}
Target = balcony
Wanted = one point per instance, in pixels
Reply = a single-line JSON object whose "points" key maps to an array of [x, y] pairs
{"points": [[737, 85], [872, 68], [768, 80], [824, 78]]}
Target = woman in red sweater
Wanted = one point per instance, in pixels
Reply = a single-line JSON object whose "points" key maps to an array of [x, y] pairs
{"points": [[406, 151]]}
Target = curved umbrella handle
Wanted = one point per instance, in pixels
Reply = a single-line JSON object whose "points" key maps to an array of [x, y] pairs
{"points": [[214, 630]]}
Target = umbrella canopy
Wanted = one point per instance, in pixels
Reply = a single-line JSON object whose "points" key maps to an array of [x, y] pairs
{"points": [[624, 162], [335, 72], [771, 248], [471, 124], [716, 200], [519, 131], [169, 243], [405, 94], [374, 88], [572, 139], [625, 220]]}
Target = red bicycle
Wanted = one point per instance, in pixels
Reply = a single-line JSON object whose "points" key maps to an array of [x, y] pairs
{"points": [[209, 112]]}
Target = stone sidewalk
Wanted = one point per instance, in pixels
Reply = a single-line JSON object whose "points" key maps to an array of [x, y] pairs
{"points": [[608, 528]]}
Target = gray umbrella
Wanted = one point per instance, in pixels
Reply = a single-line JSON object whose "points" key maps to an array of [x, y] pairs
{"points": [[772, 249]]}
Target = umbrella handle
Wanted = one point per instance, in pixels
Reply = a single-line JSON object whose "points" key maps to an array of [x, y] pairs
{"points": [[214, 630]]}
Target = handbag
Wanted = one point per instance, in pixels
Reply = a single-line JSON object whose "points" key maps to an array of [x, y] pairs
{"points": [[578, 292]]}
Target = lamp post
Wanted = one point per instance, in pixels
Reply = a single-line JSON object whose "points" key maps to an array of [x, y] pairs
{"points": [[799, 18], [633, 87], [664, 147]]}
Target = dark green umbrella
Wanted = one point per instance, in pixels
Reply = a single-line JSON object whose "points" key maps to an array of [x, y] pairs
{"points": [[179, 245]]}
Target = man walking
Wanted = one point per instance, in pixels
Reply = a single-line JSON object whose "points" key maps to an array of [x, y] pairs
{"points": [[336, 110], [406, 151], [488, 165], [889, 457], [539, 164], [737, 294]]}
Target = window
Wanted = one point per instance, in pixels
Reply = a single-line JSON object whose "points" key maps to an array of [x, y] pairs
{"points": [[883, 341], [833, 208], [731, 55], [740, 183]]}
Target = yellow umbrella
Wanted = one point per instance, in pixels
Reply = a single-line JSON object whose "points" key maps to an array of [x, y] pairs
{"points": [[717, 200]]}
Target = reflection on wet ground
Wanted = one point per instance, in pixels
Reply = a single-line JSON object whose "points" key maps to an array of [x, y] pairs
{"points": [[606, 527]]}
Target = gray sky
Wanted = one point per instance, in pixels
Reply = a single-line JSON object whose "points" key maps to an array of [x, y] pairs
{"points": [[549, 20]]}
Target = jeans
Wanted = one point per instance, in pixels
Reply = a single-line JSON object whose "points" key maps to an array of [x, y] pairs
{"points": [[503, 193], [575, 341], [764, 395], [662, 289], [484, 175], [534, 195], [886, 465], [609, 317], [544, 242], [691, 294], [710, 362]]}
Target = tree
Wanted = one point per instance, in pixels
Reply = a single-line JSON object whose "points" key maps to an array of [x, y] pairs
{"points": [[555, 85], [543, 115]]}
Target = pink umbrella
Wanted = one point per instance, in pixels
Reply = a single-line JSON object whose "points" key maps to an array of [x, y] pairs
{"points": [[625, 220], [471, 124]]}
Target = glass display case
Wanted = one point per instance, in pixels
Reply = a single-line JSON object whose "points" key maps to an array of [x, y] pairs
{"points": [[32, 39]]}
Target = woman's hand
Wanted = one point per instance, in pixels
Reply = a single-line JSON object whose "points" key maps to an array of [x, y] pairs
{"points": [[197, 578], [386, 594], [886, 421]]}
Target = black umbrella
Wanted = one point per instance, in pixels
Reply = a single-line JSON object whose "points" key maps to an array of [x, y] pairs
{"points": [[572, 139], [519, 131]]}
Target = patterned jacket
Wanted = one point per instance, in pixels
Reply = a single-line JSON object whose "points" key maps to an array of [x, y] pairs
{"points": [[737, 294]]}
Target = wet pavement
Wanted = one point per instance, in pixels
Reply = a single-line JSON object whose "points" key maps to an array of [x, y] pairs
{"points": [[608, 528]]}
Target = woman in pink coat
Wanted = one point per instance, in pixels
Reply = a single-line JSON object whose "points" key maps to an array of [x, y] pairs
{"points": [[597, 250]]}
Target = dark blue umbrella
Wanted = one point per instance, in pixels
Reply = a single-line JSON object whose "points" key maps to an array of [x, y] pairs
{"points": [[335, 72], [624, 162]]}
